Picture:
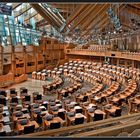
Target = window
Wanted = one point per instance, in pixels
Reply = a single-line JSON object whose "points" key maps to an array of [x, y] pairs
{"points": [[40, 62], [30, 64]]}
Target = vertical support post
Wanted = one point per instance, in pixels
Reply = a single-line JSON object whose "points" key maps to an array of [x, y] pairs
{"points": [[118, 60]]}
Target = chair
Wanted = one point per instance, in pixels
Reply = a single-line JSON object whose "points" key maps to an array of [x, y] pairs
{"points": [[39, 119], [3, 101], [37, 111], [71, 114], [66, 94], [25, 111], [52, 103], [98, 117], [23, 121], [79, 121], [49, 117], [61, 115], [27, 99], [14, 100], [55, 125], [24, 90], [18, 108], [29, 129], [4, 93], [3, 133], [45, 104], [85, 98], [18, 113], [13, 92], [35, 105], [39, 97], [55, 108], [117, 113], [29, 108], [79, 110]]}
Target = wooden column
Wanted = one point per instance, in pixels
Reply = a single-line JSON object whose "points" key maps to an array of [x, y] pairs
{"points": [[133, 64], [118, 62]]}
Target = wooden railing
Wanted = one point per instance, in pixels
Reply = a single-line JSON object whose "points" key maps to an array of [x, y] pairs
{"points": [[113, 54], [6, 80], [21, 78], [120, 122]]}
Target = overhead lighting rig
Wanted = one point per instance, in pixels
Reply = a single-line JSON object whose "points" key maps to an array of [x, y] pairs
{"points": [[114, 19]]}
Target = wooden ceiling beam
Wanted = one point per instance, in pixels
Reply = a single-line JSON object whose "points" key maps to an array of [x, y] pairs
{"points": [[22, 11], [133, 10], [75, 13], [84, 14], [103, 22], [135, 5], [62, 6], [97, 13], [54, 17], [47, 17], [15, 5]]}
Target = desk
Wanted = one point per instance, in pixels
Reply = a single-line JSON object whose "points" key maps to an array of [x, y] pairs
{"points": [[43, 113], [20, 127], [90, 116], [70, 90], [72, 119], [111, 110], [123, 96], [5, 119], [134, 104], [86, 107], [56, 112], [6, 112], [98, 111], [6, 128], [5, 108], [23, 116], [75, 108], [55, 119], [115, 99]]}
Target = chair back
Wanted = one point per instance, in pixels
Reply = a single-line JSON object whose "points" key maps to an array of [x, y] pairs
{"points": [[14, 100], [3, 101], [28, 98], [85, 98], [12, 91], [45, 105], [79, 120], [39, 119], [98, 117], [39, 97], [25, 111], [55, 125], [61, 115], [29, 129], [118, 112], [3, 133], [79, 110], [4, 93]]}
